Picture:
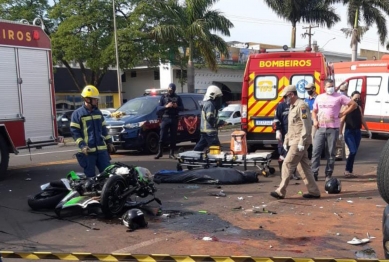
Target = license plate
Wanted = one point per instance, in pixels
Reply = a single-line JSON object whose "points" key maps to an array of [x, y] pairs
{"points": [[263, 122]]}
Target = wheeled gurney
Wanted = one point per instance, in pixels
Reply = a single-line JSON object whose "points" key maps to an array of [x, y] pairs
{"points": [[200, 159]]}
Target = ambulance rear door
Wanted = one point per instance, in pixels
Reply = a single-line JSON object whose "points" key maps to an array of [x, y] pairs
{"points": [[262, 102]]}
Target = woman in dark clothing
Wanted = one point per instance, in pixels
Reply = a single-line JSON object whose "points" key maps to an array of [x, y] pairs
{"points": [[352, 133]]}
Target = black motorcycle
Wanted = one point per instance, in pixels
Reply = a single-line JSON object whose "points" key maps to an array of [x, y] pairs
{"points": [[129, 181]]}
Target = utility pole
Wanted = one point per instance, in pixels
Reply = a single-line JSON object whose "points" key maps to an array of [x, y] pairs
{"points": [[309, 34]]}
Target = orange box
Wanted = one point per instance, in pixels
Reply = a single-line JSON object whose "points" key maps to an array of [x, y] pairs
{"points": [[238, 143]]}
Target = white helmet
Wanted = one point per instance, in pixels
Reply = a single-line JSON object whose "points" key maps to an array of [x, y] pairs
{"points": [[212, 92]]}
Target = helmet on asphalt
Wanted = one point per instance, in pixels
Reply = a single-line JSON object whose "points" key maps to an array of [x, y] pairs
{"points": [[91, 92], [212, 92], [333, 186], [134, 219]]}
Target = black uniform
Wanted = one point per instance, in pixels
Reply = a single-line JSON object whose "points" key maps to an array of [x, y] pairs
{"points": [[169, 120], [281, 123]]}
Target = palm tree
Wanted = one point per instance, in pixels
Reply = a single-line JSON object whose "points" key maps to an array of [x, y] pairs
{"points": [[193, 25], [371, 12], [306, 11]]}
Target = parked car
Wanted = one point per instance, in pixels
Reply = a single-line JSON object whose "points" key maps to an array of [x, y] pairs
{"points": [[231, 114], [135, 125], [63, 122]]}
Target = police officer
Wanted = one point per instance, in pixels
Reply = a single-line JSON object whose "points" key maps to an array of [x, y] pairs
{"points": [[169, 107], [209, 119], [297, 141], [89, 130], [280, 125]]}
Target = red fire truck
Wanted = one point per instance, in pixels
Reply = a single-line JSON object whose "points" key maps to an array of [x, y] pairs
{"points": [[27, 99]]}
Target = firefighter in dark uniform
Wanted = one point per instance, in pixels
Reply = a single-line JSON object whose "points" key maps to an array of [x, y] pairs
{"points": [[280, 125], [209, 119], [169, 107], [89, 130], [297, 141]]}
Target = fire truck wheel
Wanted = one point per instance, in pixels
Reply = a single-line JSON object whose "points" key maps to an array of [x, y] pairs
{"points": [[4, 157], [151, 143], [382, 173]]}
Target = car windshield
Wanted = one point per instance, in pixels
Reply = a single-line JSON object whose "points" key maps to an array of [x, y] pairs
{"points": [[140, 106], [225, 113]]}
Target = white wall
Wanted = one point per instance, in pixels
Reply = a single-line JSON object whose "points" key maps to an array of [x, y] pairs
{"points": [[204, 77], [135, 86]]}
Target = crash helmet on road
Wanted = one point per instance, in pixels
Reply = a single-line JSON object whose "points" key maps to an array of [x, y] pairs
{"points": [[144, 174], [134, 219], [90, 91], [212, 93], [333, 186]]}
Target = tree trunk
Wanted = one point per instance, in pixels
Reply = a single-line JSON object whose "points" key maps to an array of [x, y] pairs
{"points": [[293, 39], [354, 51], [191, 77]]}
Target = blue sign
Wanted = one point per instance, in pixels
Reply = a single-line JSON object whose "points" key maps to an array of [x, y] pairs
{"points": [[300, 86]]}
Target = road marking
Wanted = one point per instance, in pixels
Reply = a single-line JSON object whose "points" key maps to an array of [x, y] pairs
{"points": [[51, 152], [52, 163]]}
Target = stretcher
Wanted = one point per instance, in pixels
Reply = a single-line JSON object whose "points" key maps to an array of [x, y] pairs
{"points": [[200, 159]]}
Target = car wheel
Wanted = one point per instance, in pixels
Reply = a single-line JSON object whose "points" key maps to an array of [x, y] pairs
{"points": [[152, 141], [382, 171]]}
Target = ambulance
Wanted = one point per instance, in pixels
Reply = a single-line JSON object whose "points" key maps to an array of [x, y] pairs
{"points": [[371, 78], [266, 75]]}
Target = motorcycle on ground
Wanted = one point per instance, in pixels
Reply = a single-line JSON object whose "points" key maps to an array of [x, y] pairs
{"points": [[118, 190], [109, 191]]}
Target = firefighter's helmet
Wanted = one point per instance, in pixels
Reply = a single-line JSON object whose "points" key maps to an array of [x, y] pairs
{"points": [[91, 92], [212, 93]]}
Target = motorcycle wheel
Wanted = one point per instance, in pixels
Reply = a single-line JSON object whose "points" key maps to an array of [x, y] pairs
{"points": [[111, 204], [46, 199]]}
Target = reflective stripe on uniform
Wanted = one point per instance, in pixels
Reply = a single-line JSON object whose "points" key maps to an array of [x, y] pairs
{"points": [[75, 125], [78, 141], [107, 137]]}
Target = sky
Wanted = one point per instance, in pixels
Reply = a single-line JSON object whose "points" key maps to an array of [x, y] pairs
{"points": [[255, 22]]}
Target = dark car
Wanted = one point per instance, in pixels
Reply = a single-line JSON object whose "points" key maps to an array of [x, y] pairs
{"points": [[63, 122], [137, 128]]}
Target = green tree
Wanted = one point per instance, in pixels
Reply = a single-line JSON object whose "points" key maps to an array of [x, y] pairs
{"points": [[193, 25], [26, 10], [370, 12], [307, 11]]}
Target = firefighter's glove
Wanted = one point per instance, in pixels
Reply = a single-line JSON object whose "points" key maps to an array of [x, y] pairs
{"points": [[111, 148], [300, 148], [278, 135], [85, 150], [286, 147], [370, 134]]}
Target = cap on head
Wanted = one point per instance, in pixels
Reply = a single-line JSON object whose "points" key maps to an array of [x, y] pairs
{"points": [[310, 86], [90, 91], [172, 86], [288, 89]]}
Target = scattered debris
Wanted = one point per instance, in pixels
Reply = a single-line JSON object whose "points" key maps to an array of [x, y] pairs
{"points": [[357, 241], [185, 198], [28, 179], [368, 253], [368, 236], [202, 212], [237, 208], [300, 192], [350, 201], [336, 214], [207, 238], [338, 234], [192, 187], [220, 194], [240, 198], [264, 210], [270, 246]]}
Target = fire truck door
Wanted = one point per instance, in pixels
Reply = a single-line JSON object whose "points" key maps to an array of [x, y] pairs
{"points": [[9, 100], [36, 95]]}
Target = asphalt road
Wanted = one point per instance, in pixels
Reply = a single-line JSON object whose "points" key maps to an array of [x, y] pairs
{"points": [[230, 219]]}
